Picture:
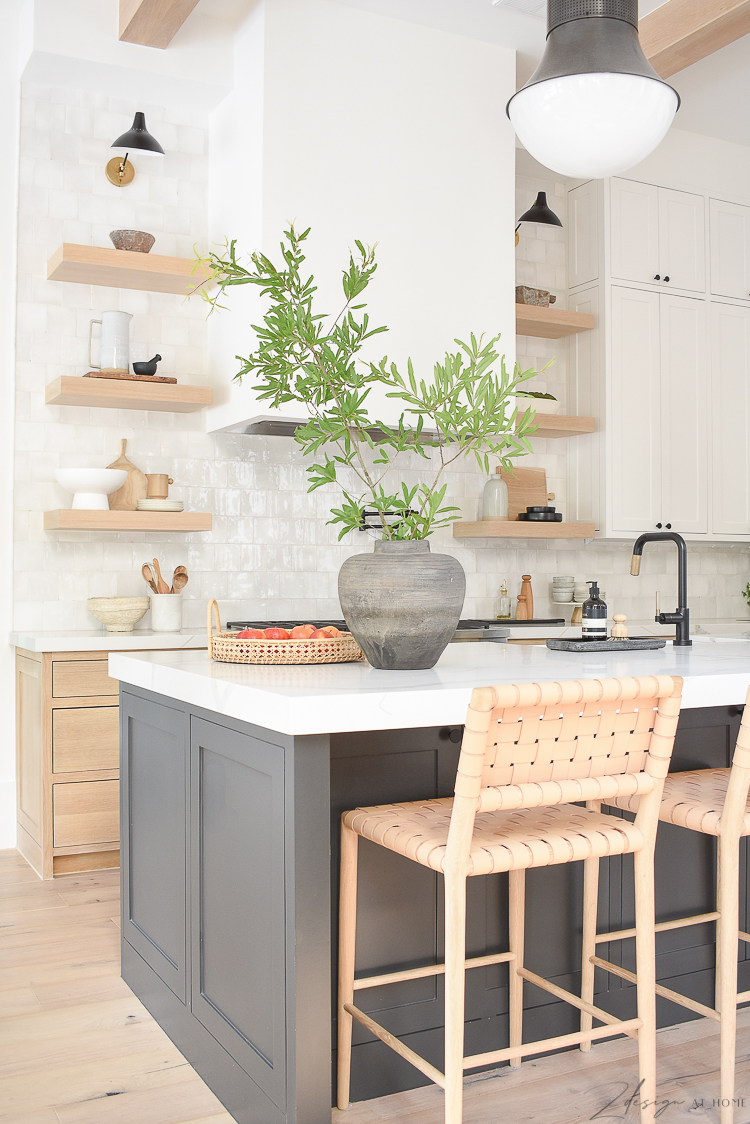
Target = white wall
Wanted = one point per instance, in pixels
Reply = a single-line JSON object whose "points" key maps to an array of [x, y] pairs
{"points": [[392, 133], [692, 161], [9, 127]]}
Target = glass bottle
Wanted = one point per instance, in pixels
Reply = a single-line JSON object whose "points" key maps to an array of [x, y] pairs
{"points": [[594, 615], [495, 497], [503, 603]]}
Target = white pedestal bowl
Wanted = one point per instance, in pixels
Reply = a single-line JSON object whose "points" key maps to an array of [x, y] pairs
{"points": [[91, 486]]}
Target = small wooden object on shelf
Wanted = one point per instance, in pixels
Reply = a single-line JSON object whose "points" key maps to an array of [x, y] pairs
{"points": [[68, 519], [551, 323], [121, 269], [127, 376], [143, 393], [528, 596], [135, 487], [619, 628]]}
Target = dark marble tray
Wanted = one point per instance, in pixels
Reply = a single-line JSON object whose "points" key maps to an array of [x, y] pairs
{"points": [[605, 645]]}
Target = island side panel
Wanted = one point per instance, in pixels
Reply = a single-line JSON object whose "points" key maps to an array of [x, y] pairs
{"points": [[255, 838]]}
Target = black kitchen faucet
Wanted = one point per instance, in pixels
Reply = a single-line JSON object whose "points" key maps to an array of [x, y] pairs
{"points": [[681, 616]]}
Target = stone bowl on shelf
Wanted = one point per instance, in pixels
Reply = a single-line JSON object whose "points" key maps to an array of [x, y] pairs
{"points": [[137, 240], [118, 614]]}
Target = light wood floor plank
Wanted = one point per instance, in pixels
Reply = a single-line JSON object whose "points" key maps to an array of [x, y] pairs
{"points": [[63, 1022], [18, 1001], [173, 1104], [69, 994]]}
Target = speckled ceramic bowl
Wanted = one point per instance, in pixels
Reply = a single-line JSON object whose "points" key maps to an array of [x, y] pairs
{"points": [[118, 614], [137, 240]]}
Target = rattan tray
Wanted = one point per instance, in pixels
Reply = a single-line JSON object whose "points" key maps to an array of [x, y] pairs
{"points": [[226, 648]]}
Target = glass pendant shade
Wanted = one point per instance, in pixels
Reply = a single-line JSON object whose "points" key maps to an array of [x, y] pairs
{"points": [[595, 106], [138, 138]]}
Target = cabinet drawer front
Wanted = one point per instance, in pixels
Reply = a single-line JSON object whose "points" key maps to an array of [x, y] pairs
{"points": [[81, 678], [85, 738], [86, 812]]}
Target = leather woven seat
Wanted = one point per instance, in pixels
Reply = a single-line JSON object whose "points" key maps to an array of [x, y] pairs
{"points": [[694, 800], [501, 841]]}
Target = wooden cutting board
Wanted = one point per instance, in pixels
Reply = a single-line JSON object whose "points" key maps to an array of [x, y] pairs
{"points": [[135, 487], [527, 487]]}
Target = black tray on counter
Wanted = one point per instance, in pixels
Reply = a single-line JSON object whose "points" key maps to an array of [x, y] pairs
{"points": [[628, 645]]}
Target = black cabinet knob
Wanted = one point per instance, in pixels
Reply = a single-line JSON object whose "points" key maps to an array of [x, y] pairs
{"points": [[669, 526], [666, 278], [657, 277], [658, 526]]}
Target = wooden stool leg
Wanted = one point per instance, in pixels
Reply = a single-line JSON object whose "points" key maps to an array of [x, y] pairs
{"points": [[516, 922], [588, 941], [347, 942], [455, 972], [727, 927], [645, 966]]}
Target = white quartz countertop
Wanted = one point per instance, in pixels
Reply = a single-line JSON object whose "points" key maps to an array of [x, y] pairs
{"points": [[335, 698], [99, 640]]}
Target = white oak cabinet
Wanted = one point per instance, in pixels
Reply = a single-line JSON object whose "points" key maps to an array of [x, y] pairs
{"points": [[729, 232], [657, 236]]}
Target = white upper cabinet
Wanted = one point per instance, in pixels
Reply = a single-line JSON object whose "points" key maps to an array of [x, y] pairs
{"points": [[730, 395], [635, 411], [682, 240], [657, 236], [583, 244], [634, 231], [684, 414], [729, 225]]}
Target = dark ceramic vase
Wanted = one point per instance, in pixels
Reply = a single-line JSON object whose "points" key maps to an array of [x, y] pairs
{"points": [[402, 603]]}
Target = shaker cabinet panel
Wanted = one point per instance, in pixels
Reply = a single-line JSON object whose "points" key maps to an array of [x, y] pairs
{"points": [[634, 231], [154, 828], [684, 412], [583, 234], [682, 237], [635, 414], [730, 395], [85, 738], [85, 812], [238, 899], [729, 228]]}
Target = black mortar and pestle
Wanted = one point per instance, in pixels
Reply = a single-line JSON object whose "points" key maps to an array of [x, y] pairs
{"points": [[148, 367]]}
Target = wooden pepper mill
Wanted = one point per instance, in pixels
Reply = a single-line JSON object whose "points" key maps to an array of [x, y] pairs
{"points": [[525, 610]]}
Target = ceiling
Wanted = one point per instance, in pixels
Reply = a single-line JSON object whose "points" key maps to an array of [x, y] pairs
{"points": [[714, 91]]}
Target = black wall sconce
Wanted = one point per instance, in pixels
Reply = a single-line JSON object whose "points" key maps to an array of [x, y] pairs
{"points": [[119, 170], [539, 212]]}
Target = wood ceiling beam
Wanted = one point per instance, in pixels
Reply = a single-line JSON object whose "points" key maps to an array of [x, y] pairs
{"points": [[681, 32], [153, 23]]}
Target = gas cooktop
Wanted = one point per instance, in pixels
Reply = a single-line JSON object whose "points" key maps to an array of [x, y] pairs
{"points": [[466, 626]]}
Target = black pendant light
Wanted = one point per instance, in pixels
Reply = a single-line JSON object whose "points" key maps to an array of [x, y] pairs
{"points": [[540, 212], [594, 106], [138, 138]]}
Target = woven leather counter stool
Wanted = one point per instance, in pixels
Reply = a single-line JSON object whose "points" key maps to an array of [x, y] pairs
{"points": [[715, 802], [528, 752]]}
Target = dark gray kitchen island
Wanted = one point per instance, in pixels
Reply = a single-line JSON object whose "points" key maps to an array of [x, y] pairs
{"points": [[233, 781]]}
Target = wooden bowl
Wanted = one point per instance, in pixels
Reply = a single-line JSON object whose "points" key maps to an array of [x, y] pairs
{"points": [[136, 240], [118, 614]]}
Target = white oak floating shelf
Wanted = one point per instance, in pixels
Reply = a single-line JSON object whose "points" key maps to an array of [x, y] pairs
{"points": [[123, 269], [69, 519], [521, 529], [122, 394], [560, 425], [551, 323]]}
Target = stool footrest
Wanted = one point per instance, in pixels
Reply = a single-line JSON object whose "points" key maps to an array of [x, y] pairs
{"points": [[665, 992], [429, 970], [553, 1043], [397, 1045], [574, 1000], [661, 927]]}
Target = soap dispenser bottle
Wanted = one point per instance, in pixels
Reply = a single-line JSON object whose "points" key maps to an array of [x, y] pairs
{"points": [[594, 615], [503, 603]]}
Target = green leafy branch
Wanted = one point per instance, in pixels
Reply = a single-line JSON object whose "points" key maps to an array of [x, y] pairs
{"points": [[312, 358]]}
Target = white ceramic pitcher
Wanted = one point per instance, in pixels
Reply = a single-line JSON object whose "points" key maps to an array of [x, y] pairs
{"points": [[114, 348]]}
